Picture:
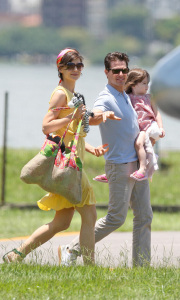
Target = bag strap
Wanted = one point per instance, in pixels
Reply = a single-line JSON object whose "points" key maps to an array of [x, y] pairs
{"points": [[62, 138], [76, 134], [60, 108], [75, 139]]}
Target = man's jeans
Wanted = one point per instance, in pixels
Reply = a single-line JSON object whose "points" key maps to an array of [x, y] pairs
{"points": [[124, 191]]}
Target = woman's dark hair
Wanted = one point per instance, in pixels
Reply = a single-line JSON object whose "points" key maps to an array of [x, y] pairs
{"points": [[115, 56], [135, 76], [68, 57]]}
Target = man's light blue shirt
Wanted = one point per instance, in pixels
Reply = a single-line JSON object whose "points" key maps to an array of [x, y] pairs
{"points": [[120, 135]]}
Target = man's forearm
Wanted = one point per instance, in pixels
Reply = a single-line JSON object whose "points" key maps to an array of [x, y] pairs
{"points": [[97, 118]]}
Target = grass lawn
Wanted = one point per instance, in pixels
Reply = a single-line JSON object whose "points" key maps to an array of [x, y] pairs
{"points": [[30, 281], [164, 191], [23, 282], [17, 222], [164, 187]]}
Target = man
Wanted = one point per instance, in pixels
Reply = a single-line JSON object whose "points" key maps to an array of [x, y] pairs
{"points": [[121, 161]]}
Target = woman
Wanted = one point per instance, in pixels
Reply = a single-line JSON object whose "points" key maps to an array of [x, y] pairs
{"points": [[70, 65]]}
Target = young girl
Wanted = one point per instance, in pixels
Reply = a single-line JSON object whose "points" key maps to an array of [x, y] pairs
{"points": [[149, 119], [69, 65]]}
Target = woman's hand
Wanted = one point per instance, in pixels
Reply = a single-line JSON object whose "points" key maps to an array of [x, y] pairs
{"points": [[109, 115], [97, 151], [80, 112], [101, 150]]}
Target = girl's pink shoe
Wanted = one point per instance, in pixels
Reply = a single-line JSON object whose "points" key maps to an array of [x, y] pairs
{"points": [[101, 178]]}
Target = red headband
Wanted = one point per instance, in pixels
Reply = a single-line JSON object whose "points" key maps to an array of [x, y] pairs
{"points": [[61, 54]]}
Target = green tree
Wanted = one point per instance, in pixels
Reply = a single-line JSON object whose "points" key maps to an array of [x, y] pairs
{"points": [[129, 19], [167, 30], [117, 42], [177, 40], [44, 40], [76, 37], [28, 40]]}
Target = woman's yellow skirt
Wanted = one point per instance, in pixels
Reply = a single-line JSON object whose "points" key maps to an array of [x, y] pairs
{"points": [[57, 202]]}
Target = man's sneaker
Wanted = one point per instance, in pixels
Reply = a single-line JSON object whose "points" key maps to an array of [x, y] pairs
{"points": [[67, 258]]}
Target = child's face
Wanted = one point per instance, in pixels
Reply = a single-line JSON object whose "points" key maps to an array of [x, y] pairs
{"points": [[141, 88]]}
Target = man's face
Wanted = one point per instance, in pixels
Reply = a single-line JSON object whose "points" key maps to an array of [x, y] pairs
{"points": [[117, 80]]}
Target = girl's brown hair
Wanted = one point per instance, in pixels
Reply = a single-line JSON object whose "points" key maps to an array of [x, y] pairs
{"points": [[135, 76], [68, 57]]}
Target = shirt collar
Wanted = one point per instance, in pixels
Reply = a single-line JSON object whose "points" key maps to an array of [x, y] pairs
{"points": [[113, 91]]}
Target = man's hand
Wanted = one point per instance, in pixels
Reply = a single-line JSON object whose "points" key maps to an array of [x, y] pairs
{"points": [[109, 115], [101, 150]]}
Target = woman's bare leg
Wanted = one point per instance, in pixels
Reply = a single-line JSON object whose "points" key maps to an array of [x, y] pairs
{"points": [[44, 233], [87, 236]]}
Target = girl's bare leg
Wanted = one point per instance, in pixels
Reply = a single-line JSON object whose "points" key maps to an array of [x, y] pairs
{"points": [[87, 236], [139, 146], [44, 233]]}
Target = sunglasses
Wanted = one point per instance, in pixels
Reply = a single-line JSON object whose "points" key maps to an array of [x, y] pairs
{"points": [[117, 71], [71, 66]]}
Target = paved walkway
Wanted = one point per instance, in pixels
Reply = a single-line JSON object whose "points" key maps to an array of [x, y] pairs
{"points": [[114, 250]]}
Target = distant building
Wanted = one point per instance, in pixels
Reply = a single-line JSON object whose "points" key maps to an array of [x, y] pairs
{"points": [[114, 3], [25, 6], [89, 14], [20, 12], [159, 8], [163, 9], [97, 17], [60, 13], [4, 6]]}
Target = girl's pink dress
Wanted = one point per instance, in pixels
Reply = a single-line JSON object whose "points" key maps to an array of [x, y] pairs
{"points": [[142, 106]]}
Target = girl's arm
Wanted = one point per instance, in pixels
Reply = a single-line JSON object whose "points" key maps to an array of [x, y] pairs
{"points": [[51, 122], [97, 151], [158, 118]]}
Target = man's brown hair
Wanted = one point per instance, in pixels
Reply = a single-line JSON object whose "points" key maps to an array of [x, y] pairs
{"points": [[115, 56]]}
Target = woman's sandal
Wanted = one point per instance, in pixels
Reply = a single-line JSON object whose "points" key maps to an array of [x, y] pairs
{"points": [[7, 260], [101, 178], [138, 176]]}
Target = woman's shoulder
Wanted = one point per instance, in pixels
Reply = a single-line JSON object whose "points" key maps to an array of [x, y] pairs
{"points": [[62, 90], [61, 93], [58, 97]]}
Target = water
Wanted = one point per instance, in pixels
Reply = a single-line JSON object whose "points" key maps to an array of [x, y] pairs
{"points": [[30, 87]]}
